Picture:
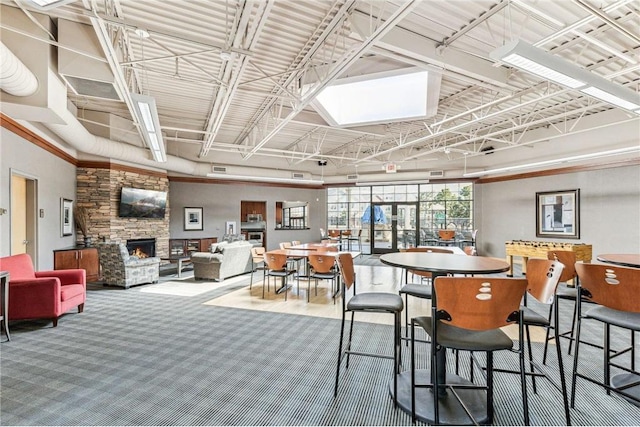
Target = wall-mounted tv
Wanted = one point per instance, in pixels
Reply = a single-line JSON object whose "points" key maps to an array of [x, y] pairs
{"points": [[139, 203]]}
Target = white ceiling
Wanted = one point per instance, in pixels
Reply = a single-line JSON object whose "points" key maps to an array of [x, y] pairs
{"points": [[248, 112]]}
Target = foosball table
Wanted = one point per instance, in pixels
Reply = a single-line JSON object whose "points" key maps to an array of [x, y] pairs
{"points": [[530, 249]]}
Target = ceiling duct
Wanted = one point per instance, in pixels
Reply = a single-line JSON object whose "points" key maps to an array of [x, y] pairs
{"points": [[436, 174], [352, 177], [219, 169], [84, 74]]}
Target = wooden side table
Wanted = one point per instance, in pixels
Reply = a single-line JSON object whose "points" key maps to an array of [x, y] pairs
{"points": [[4, 301]]}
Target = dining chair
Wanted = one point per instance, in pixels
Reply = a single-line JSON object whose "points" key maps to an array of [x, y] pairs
{"points": [[615, 289], [468, 313], [366, 302], [277, 266], [322, 268], [258, 263], [418, 289], [356, 238], [294, 262]]}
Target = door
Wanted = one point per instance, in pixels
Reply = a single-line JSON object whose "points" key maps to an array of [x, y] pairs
{"points": [[23, 215], [396, 227]]}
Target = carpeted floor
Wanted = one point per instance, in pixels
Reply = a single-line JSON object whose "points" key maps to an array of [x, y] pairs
{"points": [[141, 358]]}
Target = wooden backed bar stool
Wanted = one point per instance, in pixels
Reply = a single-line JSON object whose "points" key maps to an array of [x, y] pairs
{"points": [[616, 290], [469, 313]]}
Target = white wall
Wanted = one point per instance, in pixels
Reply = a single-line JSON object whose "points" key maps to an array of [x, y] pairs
{"points": [[609, 210], [221, 203], [56, 179]]}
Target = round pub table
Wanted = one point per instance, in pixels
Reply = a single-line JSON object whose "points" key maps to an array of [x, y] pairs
{"points": [[450, 411], [625, 260]]}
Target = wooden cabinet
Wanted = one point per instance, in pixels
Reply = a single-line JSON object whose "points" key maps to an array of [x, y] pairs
{"points": [[184, 247], [86, 258]]}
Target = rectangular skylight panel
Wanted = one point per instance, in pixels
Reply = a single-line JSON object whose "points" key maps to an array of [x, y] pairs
{"points": [[542, 71], [374, 100]]}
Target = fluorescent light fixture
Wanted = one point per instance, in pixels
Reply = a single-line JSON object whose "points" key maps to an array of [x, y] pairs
{"points": [[147, 116], [379, 98], [405, 182], [610, 98], [596, 155], [48, 4], [551, 67], [265, 179]]}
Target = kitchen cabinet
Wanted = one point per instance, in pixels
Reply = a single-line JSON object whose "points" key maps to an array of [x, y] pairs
{"points": [[78, 257]]}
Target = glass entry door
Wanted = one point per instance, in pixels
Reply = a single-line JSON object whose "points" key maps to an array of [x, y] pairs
{"points": [[395, 227]]}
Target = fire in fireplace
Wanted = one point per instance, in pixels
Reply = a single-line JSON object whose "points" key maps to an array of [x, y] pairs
{"points": [[142, 248]]}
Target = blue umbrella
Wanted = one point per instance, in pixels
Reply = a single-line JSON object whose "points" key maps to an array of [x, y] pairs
{"points": [[378, 216]]}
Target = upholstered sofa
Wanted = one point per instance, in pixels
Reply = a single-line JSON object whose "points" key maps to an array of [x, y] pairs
{"points": [[42, 294], [224, 260], [121, 269]]}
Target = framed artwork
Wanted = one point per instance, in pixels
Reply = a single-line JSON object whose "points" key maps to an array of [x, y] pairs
{"points": [[558, 214], [66, 217], [230, 228], [193, 219]]}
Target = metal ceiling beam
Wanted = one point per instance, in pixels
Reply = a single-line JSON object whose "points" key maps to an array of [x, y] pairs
{"points": [[341, 65], [474, 23], [607, 20], [298, 67], [423, 49], [225, 95]]}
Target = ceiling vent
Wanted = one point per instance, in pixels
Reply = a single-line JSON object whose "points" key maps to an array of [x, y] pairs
{"points": [[219, 169], [352, 177], [85, 75], [436, 174], [487, 150], [297, 175]]}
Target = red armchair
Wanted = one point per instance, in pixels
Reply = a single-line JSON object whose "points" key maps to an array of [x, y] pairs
{"points": [[42, 294]]}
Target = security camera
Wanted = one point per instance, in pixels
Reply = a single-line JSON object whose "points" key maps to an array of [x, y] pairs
{"points": [[322, 163]]}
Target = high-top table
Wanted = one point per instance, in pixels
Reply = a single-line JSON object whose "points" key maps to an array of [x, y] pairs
{"points": [[625, 260], [439, 264]]}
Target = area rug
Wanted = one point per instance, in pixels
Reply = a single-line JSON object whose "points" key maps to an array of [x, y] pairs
{"points": [[188, 286]]}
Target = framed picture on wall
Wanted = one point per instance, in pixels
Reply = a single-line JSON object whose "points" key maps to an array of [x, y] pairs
{"points": [[66, 217], [193, 219], [230, 227], [558, 214]]}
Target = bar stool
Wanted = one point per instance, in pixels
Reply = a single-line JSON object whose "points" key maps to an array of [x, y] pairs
{"points": [[369, 302], [616, 290]]}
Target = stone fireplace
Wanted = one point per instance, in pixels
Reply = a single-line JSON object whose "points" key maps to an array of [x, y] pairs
{"points": [[142, 248], [98, 189]]}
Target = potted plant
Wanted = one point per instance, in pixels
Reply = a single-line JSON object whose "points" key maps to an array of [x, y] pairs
{"points": [[81, 216]]}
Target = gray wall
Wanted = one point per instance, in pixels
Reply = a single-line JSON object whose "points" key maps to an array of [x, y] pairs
{"points": [[609, 210], [221, 203], [55, 178]]}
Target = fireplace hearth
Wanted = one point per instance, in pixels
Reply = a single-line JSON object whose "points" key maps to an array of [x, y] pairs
{"points": [[142, 248]]}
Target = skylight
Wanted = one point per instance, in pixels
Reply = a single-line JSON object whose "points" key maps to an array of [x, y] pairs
{"points": [[378, 98]]}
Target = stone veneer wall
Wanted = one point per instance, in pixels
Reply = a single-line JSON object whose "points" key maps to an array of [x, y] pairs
{"points": [[98, 188]]}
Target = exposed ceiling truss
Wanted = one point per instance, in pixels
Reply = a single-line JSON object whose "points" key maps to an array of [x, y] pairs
{"points": [[234, 79]]}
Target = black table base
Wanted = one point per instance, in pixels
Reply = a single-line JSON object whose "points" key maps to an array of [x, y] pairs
{"points": [[451, 411]]}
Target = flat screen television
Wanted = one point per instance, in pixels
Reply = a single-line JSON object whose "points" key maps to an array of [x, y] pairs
{"points": [[139, 203]]}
